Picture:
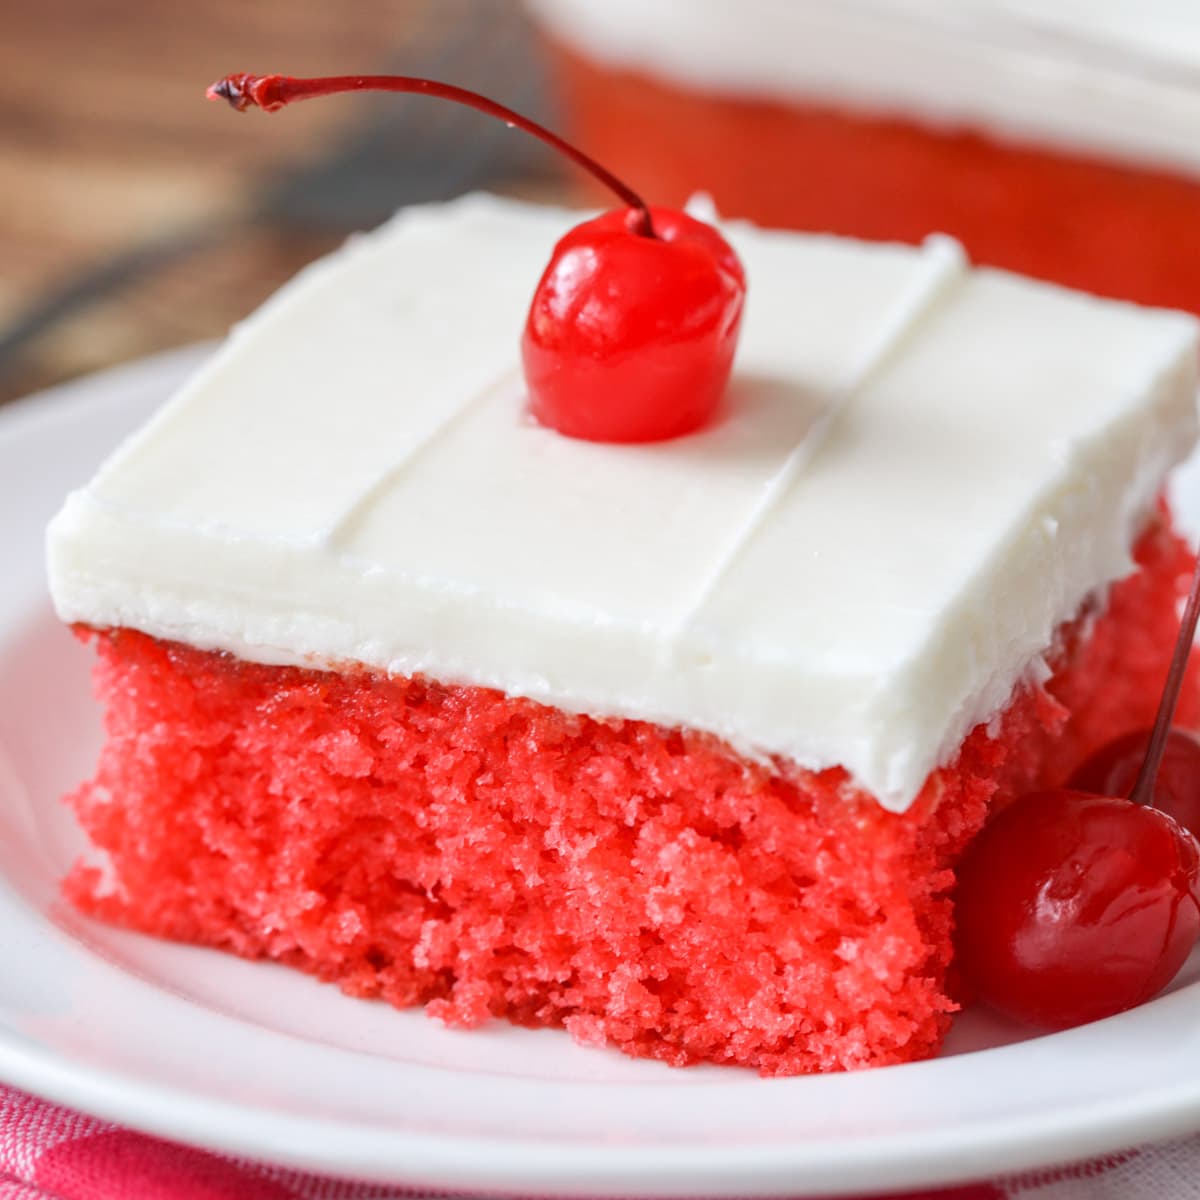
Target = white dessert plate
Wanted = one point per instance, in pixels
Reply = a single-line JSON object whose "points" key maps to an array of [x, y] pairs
{"points": [[256, 1060]]}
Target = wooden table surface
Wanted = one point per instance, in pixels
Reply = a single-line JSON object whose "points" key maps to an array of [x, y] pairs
{"points": [[135, 216]]}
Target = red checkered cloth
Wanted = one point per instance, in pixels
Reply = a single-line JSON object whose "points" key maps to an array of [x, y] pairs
{"points": [[51, 1153]]}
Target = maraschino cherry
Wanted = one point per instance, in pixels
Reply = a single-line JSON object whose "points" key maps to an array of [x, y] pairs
{"points": [[1073, 905], [1113, 771], [633, 326], [1158, 766]]}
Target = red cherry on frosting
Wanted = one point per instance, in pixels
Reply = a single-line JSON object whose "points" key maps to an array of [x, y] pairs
{"points": [[633, 327], [1113, 771], [1073, 907], [630, 338]]}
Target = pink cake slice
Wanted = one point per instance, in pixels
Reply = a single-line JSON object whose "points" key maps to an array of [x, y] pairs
{"points": [[1056, 140], [675, 746]]}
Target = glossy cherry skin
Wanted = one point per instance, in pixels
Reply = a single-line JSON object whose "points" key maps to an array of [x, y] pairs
{"points": [[1113, 770], [631, 338], [1072, 907]]}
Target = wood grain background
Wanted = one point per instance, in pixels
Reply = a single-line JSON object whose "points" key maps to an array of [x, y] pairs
{"points": [[135, 216]]}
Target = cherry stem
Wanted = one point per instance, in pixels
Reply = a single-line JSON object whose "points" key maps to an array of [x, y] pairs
{"points": [[272, 92], [1143, 789]]}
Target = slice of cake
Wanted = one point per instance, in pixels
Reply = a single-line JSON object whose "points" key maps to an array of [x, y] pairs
{"points": [[1061, 140], [675, 745]]}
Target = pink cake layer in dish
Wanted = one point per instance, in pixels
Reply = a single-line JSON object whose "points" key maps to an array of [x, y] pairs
{"points": [[644, 887], [1071, 215]]}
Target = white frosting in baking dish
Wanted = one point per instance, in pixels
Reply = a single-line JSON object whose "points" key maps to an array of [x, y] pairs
{"points": [[1117, 78], [921, 470]]}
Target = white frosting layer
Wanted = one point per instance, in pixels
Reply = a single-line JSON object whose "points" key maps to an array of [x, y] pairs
{"points": [[1114, 77], [922, 471]]}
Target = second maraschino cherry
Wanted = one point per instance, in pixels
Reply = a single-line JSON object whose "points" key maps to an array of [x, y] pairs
{"points": [[633, 327], [1113, 770], [1073, 905]]}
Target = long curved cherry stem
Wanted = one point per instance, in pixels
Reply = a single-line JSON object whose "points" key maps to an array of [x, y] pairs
{"points": [[1143, 789], [272, 92]]}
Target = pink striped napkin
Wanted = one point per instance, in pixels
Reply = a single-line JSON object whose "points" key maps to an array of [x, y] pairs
{"points": [[51, 1153]]}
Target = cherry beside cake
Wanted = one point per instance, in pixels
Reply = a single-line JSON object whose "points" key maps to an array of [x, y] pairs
{"points": [[1059, 140], [493, 691]]}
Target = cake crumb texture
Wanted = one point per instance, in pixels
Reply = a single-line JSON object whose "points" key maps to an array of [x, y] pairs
{"points": [[646, 888]]}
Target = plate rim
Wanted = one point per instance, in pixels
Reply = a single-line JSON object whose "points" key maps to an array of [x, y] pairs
{"points": [[541, 1167]]}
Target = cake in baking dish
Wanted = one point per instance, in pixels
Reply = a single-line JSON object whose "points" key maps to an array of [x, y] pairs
{"points": [[1060, 140], [674, 745]]}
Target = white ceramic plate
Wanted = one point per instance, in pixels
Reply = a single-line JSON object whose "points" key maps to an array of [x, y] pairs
{"points": [[254, 1059]]}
